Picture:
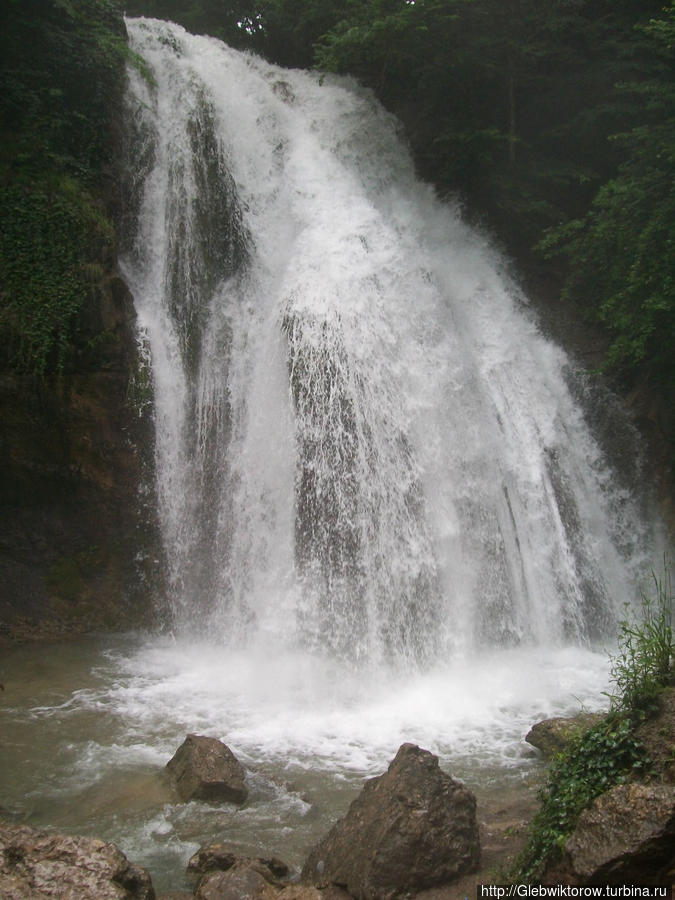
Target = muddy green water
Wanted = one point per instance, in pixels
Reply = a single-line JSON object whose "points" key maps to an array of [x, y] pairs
{"points": [[86, 728]]}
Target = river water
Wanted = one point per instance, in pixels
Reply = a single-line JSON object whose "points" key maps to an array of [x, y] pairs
{"points": [[88, 727]]}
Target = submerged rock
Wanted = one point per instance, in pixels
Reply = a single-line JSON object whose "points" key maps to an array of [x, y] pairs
{"points": [[627, 835], [203, 768], [221, 857], [36, 864], [241, 881], [227, 876], [411, 828], [551, 736]]}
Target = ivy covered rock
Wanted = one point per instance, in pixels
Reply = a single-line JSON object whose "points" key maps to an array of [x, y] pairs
{"points": [[626, 836]]}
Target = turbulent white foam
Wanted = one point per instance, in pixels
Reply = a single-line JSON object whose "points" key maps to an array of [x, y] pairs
{"points": [[300, 711]]}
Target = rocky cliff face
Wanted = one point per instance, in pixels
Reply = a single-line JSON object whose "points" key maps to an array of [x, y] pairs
{"points": [[71, 464]]}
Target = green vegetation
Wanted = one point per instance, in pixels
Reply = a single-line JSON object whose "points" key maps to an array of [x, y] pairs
{"points": [[51, 237], [644, 664], [600, 758], [622, 251], [610, 752], [62, 76]]}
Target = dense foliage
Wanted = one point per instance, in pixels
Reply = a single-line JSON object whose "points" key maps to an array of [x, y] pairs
{"points": [[62, 74], [51, 237], [610, 752], [597, 760], [622, 251]]}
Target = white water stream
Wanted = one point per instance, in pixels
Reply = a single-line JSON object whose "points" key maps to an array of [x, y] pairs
{"points": [[383, 517]]}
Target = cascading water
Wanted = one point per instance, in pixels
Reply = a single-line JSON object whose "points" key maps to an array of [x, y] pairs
{"points": [[363, 444], [383, 516]]}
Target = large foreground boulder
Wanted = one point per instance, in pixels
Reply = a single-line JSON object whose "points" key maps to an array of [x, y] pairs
{"points": [[412, 828], [37, 864], [203, 768], [626, 836]]}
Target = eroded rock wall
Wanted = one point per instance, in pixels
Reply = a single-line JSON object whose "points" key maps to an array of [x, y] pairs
{"points": [[73, 449]]}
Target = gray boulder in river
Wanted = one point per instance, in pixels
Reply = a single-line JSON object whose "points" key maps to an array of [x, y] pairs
{"points": [[411, 828]]}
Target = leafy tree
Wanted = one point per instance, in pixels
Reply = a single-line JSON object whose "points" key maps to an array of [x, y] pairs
{"points": [[62, 76], [61, 70], [506, 103], [622, 251]]}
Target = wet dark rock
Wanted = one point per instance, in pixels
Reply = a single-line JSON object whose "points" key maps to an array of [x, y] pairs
{"points": [[213, 857], [307, 892], [240, 881], [409, 829], [73, 452], [216, 856], [203, 768], [37, 864], [626, 836], [657, 734], [551, 736], [257, 879], [175, 895]]}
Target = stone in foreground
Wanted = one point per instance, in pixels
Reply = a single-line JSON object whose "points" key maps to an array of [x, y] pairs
{"points": [[203, 768], [222, 857], [241, 882], [38, 864], [627, 835], [551, 736], [412, 828]]}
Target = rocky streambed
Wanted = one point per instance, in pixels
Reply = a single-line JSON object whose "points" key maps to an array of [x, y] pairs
{"points": [[411, 831]]}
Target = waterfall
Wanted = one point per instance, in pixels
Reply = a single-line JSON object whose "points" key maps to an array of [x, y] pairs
{"points": [[383, 515], [365, 447]]}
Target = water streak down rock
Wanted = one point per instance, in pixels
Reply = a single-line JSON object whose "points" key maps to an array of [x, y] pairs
{"points": [[411, 828]]}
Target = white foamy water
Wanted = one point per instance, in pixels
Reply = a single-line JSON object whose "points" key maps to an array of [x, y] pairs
{"points": [[297, 710]]}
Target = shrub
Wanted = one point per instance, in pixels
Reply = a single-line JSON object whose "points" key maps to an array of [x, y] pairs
{"points": [[609, 753], [644, 664]]}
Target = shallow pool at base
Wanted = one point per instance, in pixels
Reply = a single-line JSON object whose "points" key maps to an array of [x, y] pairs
{"points": [[87, 728]]}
